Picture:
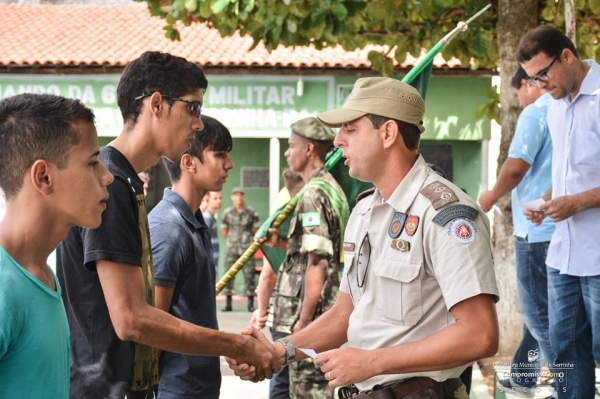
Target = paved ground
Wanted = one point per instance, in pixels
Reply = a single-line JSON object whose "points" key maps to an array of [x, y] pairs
{"points": [[233, 388]]}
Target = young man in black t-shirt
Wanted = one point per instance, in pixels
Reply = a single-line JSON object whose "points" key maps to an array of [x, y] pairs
{"points": [[107, 272]]}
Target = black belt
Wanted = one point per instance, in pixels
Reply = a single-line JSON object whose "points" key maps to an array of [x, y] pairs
{"points": [[413, 388]]}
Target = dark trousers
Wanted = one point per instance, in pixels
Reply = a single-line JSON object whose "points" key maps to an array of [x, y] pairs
{"points": [[280, 383]]}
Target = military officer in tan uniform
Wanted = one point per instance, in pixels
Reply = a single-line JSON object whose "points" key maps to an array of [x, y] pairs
{"points": [[417, 297]]}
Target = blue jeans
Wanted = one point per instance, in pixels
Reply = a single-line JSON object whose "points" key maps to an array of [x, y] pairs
{"points": [[532, 289], [574, 304]]}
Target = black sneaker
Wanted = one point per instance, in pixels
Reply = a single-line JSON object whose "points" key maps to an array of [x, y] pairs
{"points": [[508, 386]]}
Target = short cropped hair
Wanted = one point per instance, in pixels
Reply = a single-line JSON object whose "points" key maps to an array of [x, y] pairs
{"points": [[543, 39], [291, 179], [36, 126], [518, 77], [155, 71], [214, 136], [409, 132], [322, 148]]}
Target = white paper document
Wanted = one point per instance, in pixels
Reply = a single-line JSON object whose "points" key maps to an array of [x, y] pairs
{"points": [[532, 205], [308, 352]]}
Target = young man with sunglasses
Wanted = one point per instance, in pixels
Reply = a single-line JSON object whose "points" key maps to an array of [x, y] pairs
{"points": [[107, 272], [573, 203]]}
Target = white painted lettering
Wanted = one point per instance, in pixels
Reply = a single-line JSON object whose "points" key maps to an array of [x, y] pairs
{"points": [[109, 94], [260, 91], [287, 95], [217, 96], [74, 91], [236, 99], [88, 96], [273, 96]]}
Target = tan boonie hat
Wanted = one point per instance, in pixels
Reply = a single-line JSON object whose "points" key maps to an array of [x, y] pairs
{"points": [[379, 96], [312, 129]]}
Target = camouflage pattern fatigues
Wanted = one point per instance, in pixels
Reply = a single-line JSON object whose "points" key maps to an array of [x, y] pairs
{"points": [[240, 234], [314, 228]]}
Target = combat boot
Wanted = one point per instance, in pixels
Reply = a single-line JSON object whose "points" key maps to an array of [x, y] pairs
{"points": [[250, 304], [228, 307]]}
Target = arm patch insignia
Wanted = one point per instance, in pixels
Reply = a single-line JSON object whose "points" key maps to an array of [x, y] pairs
{"points": [[453, 212]]}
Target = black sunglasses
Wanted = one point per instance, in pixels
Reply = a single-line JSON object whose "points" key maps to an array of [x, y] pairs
{"points": [[542, 75], [195, 106]]}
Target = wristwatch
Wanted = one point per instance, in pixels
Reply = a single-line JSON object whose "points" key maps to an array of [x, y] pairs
{"points": [[290, 350]]}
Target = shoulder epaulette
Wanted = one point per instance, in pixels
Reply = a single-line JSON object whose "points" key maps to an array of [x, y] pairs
{"points": [[439, 194], [365, 194]]}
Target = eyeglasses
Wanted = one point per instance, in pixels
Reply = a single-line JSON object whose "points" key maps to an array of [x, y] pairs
{"points": [[195, 106], [364, 255], [542, 75]]}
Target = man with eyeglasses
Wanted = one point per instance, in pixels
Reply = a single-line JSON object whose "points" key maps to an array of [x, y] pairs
{"points": [[527, 173], [107, 273], [573, 203], [416, 300]]}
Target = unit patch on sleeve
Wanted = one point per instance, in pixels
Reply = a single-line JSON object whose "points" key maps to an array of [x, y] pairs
{"points": [[462, 230], [453, 212], [439, 194], [311, 219]]}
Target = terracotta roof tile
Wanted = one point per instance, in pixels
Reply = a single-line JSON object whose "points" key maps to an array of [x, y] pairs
{"points": [[112, 35]]}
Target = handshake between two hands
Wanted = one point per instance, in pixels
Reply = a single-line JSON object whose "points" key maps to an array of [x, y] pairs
{"points": [[260, 359]]}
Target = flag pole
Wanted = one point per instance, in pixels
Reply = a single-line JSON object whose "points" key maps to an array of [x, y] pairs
{"points": [[336, 155]]}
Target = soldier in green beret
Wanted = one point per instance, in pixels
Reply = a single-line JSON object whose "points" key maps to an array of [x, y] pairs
{"points": [[308, 280]]}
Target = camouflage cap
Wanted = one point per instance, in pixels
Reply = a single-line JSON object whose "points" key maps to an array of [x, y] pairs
{"points": [[312, 129], [237, 190], [386, 97]]}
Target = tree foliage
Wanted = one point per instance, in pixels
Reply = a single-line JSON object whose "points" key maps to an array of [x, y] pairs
{"points": [[399, 26]]}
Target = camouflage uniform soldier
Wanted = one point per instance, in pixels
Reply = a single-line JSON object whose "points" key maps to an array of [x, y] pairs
{"points": [[308, 280], [239, 222]]}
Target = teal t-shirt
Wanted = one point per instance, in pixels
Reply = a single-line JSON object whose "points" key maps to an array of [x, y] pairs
{"points": [[34, 336]]}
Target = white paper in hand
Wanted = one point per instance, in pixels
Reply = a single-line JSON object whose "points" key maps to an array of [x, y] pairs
{"points": [[308, 352], [532, 205]]}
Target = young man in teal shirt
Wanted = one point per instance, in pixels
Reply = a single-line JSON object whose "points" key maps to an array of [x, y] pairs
{"points": [[52, 181]]}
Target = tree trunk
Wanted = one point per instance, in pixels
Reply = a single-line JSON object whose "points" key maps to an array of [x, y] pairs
{"points": [[570, 20], [515, 18]]}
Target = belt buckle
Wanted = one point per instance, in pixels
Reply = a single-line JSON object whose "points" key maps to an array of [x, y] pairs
{"points": [[347, 392]]}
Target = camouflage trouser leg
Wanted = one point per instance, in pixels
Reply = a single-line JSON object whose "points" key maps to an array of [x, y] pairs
{"points": [[308, 382], [250, 278], [229, 261]]}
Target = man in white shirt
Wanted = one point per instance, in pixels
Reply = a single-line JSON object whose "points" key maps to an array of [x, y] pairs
{"points": [[551, 61]]}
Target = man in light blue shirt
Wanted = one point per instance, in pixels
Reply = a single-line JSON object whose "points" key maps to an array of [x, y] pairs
{"points": [[528, 173], [551, 61]]}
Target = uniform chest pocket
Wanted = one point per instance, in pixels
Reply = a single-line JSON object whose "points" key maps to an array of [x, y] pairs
{"points": [[398, 285]]}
